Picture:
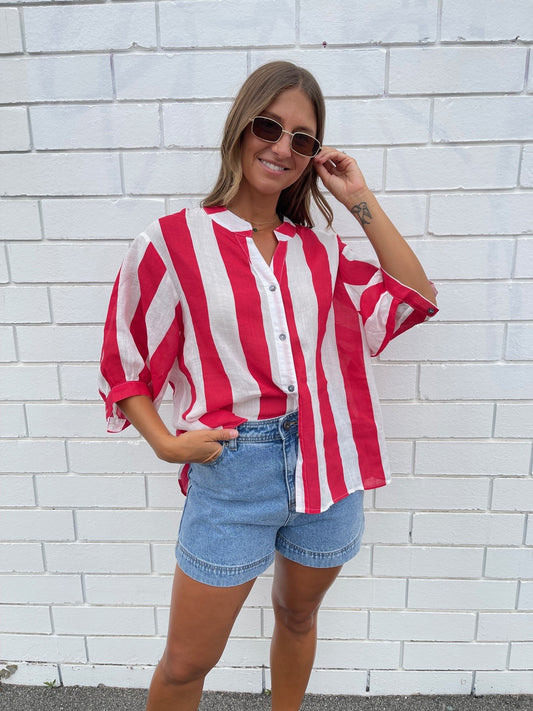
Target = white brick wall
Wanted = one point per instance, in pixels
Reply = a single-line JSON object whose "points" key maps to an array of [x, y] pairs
{"points": [[110, 115]]}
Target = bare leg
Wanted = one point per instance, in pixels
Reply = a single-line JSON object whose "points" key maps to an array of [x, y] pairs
{"points": [[296, 595], [201, 618]]}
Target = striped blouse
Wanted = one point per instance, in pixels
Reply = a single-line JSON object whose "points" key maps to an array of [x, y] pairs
{"points": [[196, 306]]}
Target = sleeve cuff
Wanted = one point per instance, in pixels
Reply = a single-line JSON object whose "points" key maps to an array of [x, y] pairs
{"points": [[410, 296], [116, 421]]}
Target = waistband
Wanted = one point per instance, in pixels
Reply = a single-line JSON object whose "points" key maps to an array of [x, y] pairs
{"points": [[276, 428]]}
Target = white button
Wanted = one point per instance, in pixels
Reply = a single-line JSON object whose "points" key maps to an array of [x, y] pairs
{"points": [[282, 336]]}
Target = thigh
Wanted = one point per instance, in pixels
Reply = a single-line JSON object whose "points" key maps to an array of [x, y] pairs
{"points": [[201, 619], [298, 589]]}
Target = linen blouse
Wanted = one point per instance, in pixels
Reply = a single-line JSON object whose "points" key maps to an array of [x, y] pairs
{"points": [[195, 306]]}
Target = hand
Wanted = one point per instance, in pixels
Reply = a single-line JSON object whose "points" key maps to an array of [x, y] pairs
{"points": [[341, 175], [200, 446]]}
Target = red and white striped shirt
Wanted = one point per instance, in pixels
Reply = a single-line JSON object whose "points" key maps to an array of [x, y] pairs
{"points": [[196, 306]]}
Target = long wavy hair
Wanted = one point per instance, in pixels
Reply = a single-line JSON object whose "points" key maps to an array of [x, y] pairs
{"points": [[259, 90]]}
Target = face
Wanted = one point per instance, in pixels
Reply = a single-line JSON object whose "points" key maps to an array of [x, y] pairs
{"points": [[269, 168]]}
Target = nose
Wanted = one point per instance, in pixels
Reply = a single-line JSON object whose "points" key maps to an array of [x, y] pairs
{"points": [[283, 147]]}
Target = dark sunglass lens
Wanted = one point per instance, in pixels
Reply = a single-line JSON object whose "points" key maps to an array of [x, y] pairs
{"points": [[304, 144], [266, 129]]}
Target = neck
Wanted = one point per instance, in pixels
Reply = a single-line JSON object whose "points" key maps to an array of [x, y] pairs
{"points": [[257, 208]]}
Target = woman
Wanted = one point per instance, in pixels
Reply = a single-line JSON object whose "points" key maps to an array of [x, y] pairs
{"points": [[263, 327]]}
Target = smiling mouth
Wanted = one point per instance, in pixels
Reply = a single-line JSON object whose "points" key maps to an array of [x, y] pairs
{"points": [[272, 166]]}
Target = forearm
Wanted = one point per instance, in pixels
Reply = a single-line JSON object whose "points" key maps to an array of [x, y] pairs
{"points": [[394, 254], [140, 411]]}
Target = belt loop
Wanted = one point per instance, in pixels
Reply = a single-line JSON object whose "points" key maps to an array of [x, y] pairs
{"points": [[231, 444]]}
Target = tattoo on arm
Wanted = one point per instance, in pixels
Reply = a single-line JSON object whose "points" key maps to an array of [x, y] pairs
{"points": [[362, 213]]}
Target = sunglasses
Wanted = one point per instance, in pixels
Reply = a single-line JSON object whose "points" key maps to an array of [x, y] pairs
{"points": [[271, 131]]}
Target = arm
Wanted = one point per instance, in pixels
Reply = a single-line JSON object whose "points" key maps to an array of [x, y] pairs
{"points": [[196, 446], [343, 178]]}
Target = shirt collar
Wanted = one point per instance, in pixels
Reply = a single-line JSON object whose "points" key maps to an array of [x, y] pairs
{"points": [[232, 222]]}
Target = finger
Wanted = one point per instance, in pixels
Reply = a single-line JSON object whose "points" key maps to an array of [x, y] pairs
{"points": [[222, 435]]}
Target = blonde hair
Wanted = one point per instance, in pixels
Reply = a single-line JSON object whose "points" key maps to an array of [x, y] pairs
{"points": [[259, 90]]}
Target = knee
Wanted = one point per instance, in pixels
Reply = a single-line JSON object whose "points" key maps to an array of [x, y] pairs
{"points": [[179, 669], [298, 621]]}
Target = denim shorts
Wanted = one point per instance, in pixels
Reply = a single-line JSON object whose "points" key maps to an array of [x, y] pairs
{"points": [[240, 509]]}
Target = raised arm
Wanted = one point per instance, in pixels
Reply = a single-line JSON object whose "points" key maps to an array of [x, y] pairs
{"points": [[343, 178]]}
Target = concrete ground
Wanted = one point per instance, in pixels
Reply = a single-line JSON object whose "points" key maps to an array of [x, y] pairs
{"points": [[75, 698]]}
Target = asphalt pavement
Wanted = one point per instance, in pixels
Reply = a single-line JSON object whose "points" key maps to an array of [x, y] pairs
{"points": [[101, 698]]}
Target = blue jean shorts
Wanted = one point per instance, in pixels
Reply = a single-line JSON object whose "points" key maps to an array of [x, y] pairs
{"points": [[240, 509]]}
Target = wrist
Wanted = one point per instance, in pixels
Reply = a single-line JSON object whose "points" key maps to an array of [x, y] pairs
{"points": [[356, 198], [165, 447]]}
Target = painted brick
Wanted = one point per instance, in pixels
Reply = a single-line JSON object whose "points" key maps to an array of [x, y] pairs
{"points": [[19, 219], [504, 682], [509, 563], [60, 420], [482, 214], [497, 458], [482, 118], [209, 24], [4, 272], [24, 305], [33, 673], [87, 491], [385, 22], [128, 589], [194, 124], [59, 343], [525, 600], [96, 218], [34, 382], [437, 420], [519, 345], [462, 595], [29, 79], [23, 619], [505, 627], [434, 493], [163, 558], [486, 20], [65, 262], [8, 351], [198, 75], [344, 654], [59, 174], [393, 683], [365, 593], [449, 655], [490, 301], [396, 382], [232, 679], [116, 457], [169, 172], [387, 527], [452, 167], [40, 589], [463, 258], [475, 528], [432, 626], [376, 121], [526, 172], [97, 557], [337, 682], [446, 70], [78, 382], [12, 420], [512, 494], [340, 72], [359, 566], [21, 558], [90, 27], [101, 620], [521, 654], [10, 35], [17, 491], [428, 562], [465, 381], [43, 648], [32, 456], [127, 525], [442, 341], [14, 131], [164, 492], [93, 126], [137, 677], [34, 525]]}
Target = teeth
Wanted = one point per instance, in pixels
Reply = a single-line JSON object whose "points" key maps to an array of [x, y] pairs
{"points": [[272, 166]]}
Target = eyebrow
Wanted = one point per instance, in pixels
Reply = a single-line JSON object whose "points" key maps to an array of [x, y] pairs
{"points": [[271, 114]]}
